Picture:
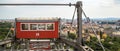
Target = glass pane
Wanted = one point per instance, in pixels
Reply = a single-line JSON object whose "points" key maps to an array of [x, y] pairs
{"points": [[41, 26], [33, 26], [24, 26], [50, 27]]}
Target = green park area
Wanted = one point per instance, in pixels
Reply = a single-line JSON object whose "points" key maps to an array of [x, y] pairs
{"points": [[4, 29]]}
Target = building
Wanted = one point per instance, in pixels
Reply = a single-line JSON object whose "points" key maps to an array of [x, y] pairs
{"points": [[116, 34], [118, 25]]}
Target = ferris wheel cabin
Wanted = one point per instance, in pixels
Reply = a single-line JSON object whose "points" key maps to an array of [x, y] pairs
{"points": [[31, 28]]}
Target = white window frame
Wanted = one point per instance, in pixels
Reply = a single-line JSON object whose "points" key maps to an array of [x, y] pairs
{"points": [[37, 26], [21, 27]]}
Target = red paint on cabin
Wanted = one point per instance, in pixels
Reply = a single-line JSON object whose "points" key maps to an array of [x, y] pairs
{"points": [[33, 34]]}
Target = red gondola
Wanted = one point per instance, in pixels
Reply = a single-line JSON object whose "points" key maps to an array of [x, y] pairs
{"points": [[37, 28]]}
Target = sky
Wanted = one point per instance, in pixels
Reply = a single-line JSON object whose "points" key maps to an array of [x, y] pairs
{"points": [[92, 8]]}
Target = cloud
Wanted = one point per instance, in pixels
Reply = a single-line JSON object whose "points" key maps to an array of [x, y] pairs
{"points": [[104, 8], [107, 3], [117, 2], [16, 1]]}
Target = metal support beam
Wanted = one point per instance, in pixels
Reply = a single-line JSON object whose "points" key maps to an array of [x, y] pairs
{"points": [[34, 4], [28, 41], [79, 22], [71, 43], [13, 46], [5, 41]]}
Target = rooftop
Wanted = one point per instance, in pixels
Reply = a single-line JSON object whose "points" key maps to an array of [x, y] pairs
{"points": [[39, 18]]}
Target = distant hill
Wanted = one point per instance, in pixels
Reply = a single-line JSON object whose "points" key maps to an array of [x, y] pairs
{"points": [[106, 19]]}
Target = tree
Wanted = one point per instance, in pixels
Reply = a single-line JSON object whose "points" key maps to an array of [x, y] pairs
{"points": [[110, 44], [4, 28], [72, 35]]}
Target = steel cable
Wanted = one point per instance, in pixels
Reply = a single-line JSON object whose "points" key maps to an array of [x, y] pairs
{"points": [[88, 19], [8, 33], [73, 16]]}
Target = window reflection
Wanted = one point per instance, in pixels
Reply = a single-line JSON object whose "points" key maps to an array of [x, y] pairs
{"points": [[41, 26], [49, 26], [24, 26], [38, 26], [33, 26]]}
